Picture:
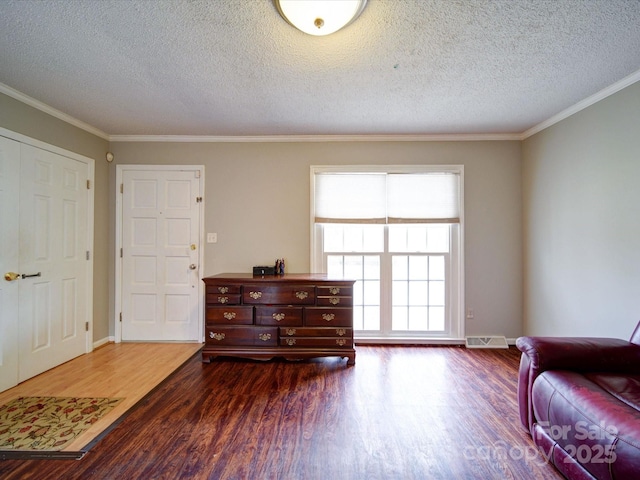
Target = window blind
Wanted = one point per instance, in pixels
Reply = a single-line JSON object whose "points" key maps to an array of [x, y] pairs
{"points": [[423, 198], [350, 198], [387, 198]]}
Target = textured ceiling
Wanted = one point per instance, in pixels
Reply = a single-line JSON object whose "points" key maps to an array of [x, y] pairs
{"points": [[235, 67]]}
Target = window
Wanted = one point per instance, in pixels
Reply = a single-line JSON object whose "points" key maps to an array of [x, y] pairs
{"points": [[397, 232]]}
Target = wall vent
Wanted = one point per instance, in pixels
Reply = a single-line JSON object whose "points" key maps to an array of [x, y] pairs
{"points": [[477, 341]]}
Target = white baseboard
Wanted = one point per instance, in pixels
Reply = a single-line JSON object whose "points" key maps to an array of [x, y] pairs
{"points": [[103, 341]]}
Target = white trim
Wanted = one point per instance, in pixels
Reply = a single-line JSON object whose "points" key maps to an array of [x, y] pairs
{"points": [[581, 105], [453, 137], [91, 193], [43, 107], [44, 146], [117, 338], [103, 341], [422, 168]]}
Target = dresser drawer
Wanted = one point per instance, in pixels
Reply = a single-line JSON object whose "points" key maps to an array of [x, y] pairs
{"points": [[224, 336], [328, 317], [335, 301], [325, 342], [288, 316], [223, 298], [224, 289], [334, 291], [231, 315], [315, 332], [279, 294]]}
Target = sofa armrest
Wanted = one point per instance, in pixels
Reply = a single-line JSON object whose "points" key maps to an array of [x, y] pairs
{"points": [[579, 354]]}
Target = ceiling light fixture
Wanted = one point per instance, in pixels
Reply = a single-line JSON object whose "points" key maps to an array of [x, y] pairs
{"points": [[320, 17]]}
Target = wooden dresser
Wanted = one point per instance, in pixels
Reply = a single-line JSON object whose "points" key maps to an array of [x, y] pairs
{"points": [[294, 316]]}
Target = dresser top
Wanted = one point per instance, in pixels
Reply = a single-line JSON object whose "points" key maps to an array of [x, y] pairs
{"points": [[296, 278]]}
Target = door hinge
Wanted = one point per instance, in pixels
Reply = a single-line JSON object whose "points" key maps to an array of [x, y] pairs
{"points": [[121, 316], [88, 255], [86, 326], [88, 184], [120, 252], [198, 199], [122, 188]]}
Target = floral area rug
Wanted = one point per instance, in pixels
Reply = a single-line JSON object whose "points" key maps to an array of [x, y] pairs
{"points": [[49, 423]]}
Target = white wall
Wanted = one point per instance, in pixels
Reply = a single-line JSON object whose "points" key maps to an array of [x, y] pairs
{"points": [[581, 198], [257, 201]]}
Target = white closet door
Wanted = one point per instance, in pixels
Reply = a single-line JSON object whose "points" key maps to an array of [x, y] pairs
{"points": [[53, 260]]}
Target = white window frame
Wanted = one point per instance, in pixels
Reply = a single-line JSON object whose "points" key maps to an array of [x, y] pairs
{"points": [[455, 294]]}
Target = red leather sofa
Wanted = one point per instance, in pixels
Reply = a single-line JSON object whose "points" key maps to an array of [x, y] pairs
{"points": [[579, 398]]}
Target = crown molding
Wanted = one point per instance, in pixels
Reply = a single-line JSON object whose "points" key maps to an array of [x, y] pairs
{"points": [[43, 107], [315, 138], [587, 102]]}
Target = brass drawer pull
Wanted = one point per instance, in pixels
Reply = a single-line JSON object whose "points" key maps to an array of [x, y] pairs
{"points": [[334, 290], [341, 342], [229, 315], [291, 331], [264, 336], [334, 300], [328, 316], [223, 299], [223, 289], [255, 295], [302, 295], [341, 331], [290, 341], [278, 316], [217, 336]]}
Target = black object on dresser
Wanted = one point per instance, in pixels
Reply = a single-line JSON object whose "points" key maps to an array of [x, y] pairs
{"points": [[295, 316]]}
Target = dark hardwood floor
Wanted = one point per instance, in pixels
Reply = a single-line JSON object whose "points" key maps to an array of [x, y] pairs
{"points": [[400, 413]]}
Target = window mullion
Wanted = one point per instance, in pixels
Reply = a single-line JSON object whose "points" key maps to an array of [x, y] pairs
{"points": [[385, 286]]}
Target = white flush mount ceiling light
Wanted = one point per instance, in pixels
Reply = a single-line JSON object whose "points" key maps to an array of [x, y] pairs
{"points": [[320, 17]]}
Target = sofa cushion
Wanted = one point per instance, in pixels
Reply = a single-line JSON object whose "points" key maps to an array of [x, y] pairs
{"points": [[582, 417], [625, 388]]}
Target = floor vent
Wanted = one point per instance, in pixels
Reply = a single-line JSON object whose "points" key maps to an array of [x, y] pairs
{"points": [[477, 341]]}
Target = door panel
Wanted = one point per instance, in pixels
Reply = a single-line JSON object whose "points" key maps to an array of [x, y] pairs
{"points": [[9, 241], [53, 256], [161, 243], [44, 217]]}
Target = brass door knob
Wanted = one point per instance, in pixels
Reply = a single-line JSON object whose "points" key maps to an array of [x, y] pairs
{"points": [[11, 276]]}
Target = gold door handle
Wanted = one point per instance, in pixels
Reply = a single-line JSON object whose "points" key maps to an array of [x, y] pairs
{"points": [[11, 276], [192, 266]]}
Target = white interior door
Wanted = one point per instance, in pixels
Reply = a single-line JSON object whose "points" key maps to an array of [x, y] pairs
{"points": [[160, 255], [54, 256], [46, 234], [9, 240]]}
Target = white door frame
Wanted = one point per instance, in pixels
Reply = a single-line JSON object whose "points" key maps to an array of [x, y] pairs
{"points": [[118, 243], [10, 262], [90, 214]]}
